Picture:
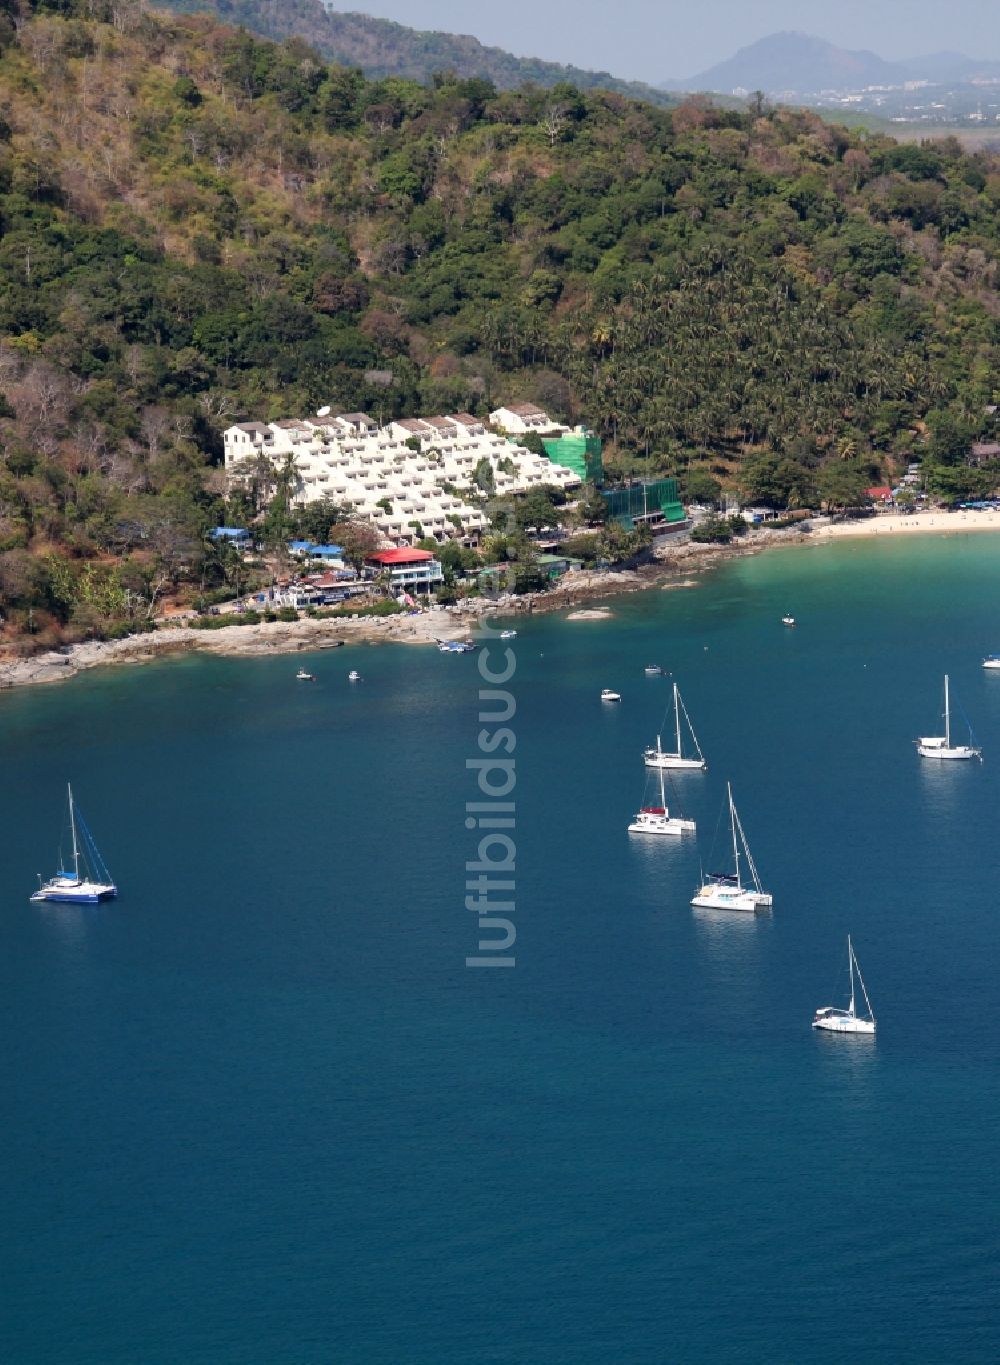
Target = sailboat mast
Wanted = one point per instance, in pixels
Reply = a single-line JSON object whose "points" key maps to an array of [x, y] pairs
{"points": [[947, 715], [72, 825], [677, 718], [736, 849], [850, 968], [871, 1012], [663, 799]]}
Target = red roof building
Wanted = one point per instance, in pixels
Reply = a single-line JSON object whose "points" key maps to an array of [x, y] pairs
{"points": [[409, 570], [879, 494], [401, 556]]}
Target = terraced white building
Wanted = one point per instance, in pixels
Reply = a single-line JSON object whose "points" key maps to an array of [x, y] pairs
{"points": [[407, 478]]}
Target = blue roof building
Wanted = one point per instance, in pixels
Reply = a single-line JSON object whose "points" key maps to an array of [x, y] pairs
{"points": [[308, 550], [234, 535]]}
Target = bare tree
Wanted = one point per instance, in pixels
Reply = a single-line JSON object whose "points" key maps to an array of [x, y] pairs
{"points": [[154, 425], [554, 121], [216, 405]]}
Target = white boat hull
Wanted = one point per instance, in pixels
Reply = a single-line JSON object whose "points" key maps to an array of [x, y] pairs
{"points": [[839, 1022], [953, 753], [661, 824], [73, 892], [654, 760], [715, 896], [992, 662]]}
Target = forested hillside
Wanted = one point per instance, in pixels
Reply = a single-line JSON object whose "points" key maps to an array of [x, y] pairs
{"points": [[381, 48], [199, 226]]}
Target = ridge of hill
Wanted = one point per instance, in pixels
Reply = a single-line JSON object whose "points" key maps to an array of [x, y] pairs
{"points": [[382, 48], [199, 226]]}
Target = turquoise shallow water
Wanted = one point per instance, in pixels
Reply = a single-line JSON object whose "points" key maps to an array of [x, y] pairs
{"points": [[259, 1111]]}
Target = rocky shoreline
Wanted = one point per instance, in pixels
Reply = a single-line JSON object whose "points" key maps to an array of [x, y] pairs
{"points": [[446, 623]]}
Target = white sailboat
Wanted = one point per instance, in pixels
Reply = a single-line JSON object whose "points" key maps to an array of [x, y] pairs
{"points": [[847, 1021], [724, 890], [940, 746], [658, 820], [91, 885], [674, 758]]}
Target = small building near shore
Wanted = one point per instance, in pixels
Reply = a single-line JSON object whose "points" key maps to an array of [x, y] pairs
{"points": [[554, 566]]}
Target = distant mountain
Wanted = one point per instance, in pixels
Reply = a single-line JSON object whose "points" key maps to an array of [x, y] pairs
{"points": [[382, 48], [793, 62], [802, 64]]}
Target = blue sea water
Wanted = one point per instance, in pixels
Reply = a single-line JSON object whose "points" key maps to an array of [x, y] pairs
{"points": [[259, 1110]]}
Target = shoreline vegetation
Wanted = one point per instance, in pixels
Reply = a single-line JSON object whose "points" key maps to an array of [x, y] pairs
{"points": [[672, 568]]}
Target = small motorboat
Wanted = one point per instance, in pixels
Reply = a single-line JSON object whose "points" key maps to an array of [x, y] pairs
{"points": [[653, 671], [508, 635], [788, 620], [456, 646], [354, 676], [992, 661], [608, 695], [303, 676]]}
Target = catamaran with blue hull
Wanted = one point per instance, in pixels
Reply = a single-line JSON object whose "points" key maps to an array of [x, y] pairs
{"points": [[90, 881]]}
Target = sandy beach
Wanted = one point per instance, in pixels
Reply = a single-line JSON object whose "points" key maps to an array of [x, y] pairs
{"points": [[914, 523]]}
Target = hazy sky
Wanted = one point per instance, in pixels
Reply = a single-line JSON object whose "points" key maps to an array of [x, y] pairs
{"points": [[653, 40]]}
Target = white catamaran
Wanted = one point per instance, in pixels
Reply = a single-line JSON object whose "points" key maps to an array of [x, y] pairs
{"points": [[940, 746], [84, 886], [847, 1021], [724, 890], [674, 758], [658, 820]]}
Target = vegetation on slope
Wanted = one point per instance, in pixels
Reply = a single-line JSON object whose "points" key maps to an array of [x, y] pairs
{"points": [[197, 226]]}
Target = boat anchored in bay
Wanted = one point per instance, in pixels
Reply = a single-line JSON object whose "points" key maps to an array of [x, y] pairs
{"points": [[674, 758], [940, 746], [90, 881], [725, 890], [658, 820], [847, 1021]]}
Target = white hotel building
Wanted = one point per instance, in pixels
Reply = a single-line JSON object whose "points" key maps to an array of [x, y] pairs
{"points": [[372, 471]]}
